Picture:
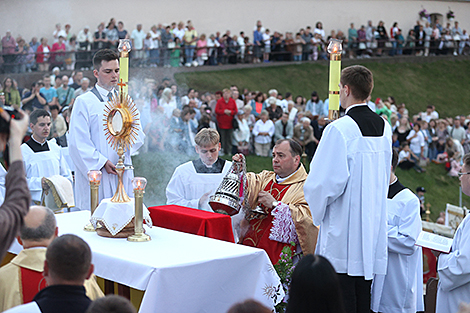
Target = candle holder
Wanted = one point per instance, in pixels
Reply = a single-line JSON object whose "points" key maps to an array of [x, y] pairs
{"points": [[334, 49], [139, 184], [94, 178]]}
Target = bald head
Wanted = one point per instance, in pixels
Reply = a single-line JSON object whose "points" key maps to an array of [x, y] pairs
{"points": [[39, 227]]}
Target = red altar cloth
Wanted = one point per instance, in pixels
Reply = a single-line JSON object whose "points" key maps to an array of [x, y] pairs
{"points": [[192, 221]]}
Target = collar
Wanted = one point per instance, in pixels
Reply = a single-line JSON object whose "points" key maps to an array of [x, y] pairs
{"points": [[41, 144], [281, 179], [103, 92], [32, 258], [353, 106]]}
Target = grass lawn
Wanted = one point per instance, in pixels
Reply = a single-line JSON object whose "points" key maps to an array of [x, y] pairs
{"points": [[158, 168], [442, 82]]}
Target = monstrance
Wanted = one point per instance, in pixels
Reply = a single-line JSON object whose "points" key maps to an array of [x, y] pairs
{"points": [[120, 126]]}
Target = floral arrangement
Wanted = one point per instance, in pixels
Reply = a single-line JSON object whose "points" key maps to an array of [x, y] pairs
{"points": [[423, 13], [450, 15], [284, 268]]}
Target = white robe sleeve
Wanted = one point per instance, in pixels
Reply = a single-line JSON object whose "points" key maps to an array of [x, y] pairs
{"points": [[329, 173], [403, 233], [454, 268], [175, 192], [34, 183], [271, 129], [83, 151]]}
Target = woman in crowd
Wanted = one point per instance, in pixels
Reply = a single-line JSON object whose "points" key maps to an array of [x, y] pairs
{"points": [[315, 287], [263, 132], [241, 136], [300, 103], [382, 37], [42, 55], [11, 93], [201, 52], [257, 104], [315, 105], [432, 133], [303, 133], [417, 142], [274, 111], [167, 102], [442, 134]]}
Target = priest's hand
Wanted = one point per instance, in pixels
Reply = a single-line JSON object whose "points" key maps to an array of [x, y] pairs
{"points": [[238, 157], [266, 199], [110, 168]]}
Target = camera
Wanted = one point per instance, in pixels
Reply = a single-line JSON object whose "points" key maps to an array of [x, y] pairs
{"points": [[5, 125]]}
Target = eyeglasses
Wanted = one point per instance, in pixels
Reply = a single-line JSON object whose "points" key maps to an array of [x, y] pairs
{"points": [[461, 174]]}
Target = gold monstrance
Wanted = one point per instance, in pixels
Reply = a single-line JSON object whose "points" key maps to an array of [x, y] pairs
{"points": [[120, 124]]}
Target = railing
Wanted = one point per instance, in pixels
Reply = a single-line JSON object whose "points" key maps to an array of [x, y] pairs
{"points": [[172, 57]]}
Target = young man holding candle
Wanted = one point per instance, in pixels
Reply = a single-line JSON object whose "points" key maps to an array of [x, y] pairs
{"points": [[347, 190], [88, 146]]}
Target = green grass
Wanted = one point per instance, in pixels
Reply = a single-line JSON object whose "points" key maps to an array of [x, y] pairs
{"points": [[442, 83], [158, 168]]}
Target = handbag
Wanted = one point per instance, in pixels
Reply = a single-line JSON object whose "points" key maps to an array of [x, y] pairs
{"points": [[235, 123]]}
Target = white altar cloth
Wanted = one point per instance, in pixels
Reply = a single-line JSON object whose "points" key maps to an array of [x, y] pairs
{"points": [[179, 272]]}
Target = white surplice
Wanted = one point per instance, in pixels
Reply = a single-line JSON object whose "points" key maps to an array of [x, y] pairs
{"points": [[346, 190], [454, 271], [401, 290], [186, 186], [90, 150], [43, 164]]}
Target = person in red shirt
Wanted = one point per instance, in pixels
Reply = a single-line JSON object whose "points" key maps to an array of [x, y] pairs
{"points": [[58, 53], [225, 110]]}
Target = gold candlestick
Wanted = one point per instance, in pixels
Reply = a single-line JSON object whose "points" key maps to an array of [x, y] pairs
{"points": [[139, 184], [94, 177], [334, 49]]}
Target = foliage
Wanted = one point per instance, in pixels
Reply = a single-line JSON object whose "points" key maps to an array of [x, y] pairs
{"points": [[423, 13], [284, 268], [450, 15]]}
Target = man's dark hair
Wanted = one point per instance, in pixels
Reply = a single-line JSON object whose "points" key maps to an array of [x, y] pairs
{"points": [[33, 117], [54, 107], [104, 55], [69, 258], [295, 147], [394, 159], [44, 231], [111, 304], [359, 79]]}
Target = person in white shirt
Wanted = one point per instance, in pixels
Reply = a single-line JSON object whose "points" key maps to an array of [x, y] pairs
{"points": [[193, 182], [454, 267], [88, 146], [263, 132], [138, 52], [42, 158], [346, 190], [417, 142], [401, 290]]}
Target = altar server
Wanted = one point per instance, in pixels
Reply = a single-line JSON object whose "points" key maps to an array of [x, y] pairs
{"points": [[42, 158], [454, 267], [88, 146], [401, 290], [193, 182], [346, 190]]}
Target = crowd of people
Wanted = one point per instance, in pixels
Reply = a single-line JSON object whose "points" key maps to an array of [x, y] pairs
{"points": [[180, 44]]}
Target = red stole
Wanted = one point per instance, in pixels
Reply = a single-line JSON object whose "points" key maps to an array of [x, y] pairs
{"points": [[259, 230], [31, 283]]}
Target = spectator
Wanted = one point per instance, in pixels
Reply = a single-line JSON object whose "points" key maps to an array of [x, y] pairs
{"points": [[154, 46], [291, 110], [263, 132], [17, 196], [122, 33], [225, 111], [284, 128], [456, 131], [43, 55], [315, 105], [352, 40], [190, 39], [166, 39], [257, 44], [58, 53], [274, 111], [70, 55], [76, 80], [382, 37], [12, 96], [33, 99], [8, 52], [84, 87], [315, 284], [84, 41], [242, 135], [65, 93], [201, 53], [58, 126], [303, 134], [402, 130], [100, 41], [112, 35], [417, 142]]}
